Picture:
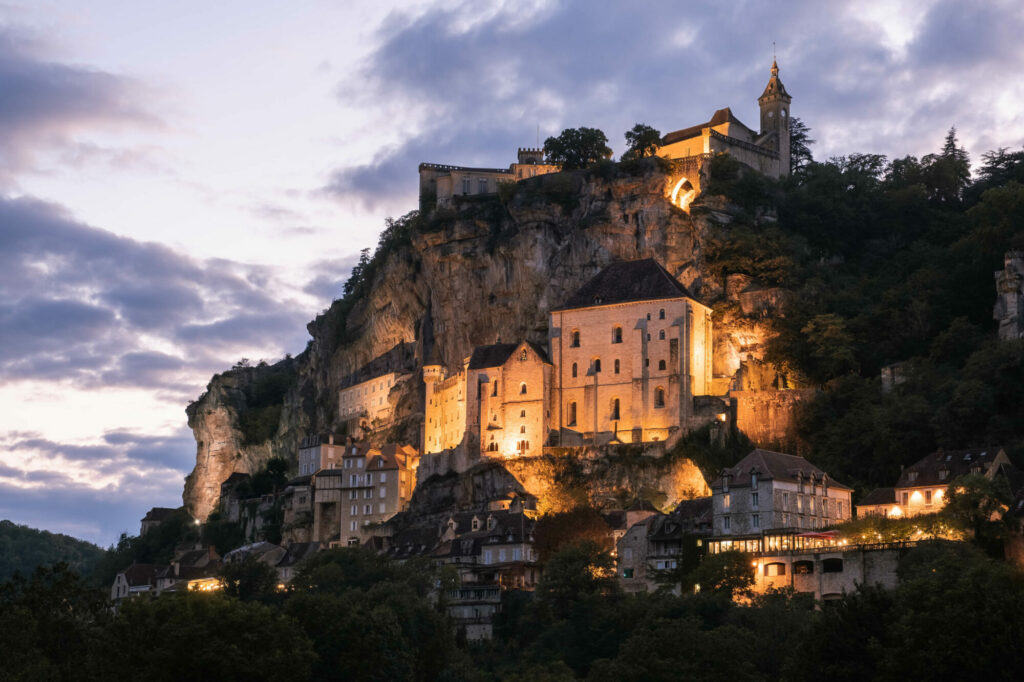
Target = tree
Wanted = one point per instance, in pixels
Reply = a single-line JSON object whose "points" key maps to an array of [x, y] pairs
{"points": [[577, 148], [643, 140], [799, 146], [948, 173], [248, 579], [978, 503], [559, 529], [728, 573], [575, 571]]}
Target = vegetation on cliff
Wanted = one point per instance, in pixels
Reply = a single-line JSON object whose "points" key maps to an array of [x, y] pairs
{"points": [[22, 549]]}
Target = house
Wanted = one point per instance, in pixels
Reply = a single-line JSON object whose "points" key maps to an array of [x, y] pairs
{"points": [[191, 569], [135, 580], [296, 555], [368, 401], [631, 348], [771, 490], [264, 552], [154, 517], [297, 505], [440, 183], [318, 452], [234, 489], [663, 542], [922, 486]]}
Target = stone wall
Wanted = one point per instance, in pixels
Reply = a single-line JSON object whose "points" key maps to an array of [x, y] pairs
{"points": [[1009, 309]]}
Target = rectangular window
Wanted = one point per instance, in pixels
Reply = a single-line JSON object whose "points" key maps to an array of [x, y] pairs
{"points": [[725, 501], [755, 520], [839, 509], [785, 501], [725, 524], [355, 510], [380, 508], [754, 500], [368, 509], [368, 493], [906, 499], [465, 185], [487, 556], [354, 525], [383, 492], [501, 555], [353, 494], [483, 185], [627, 553], [383, 477], [369, 479], [927, 496], [359, 464]]}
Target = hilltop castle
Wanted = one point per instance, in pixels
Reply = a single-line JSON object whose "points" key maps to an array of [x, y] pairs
{"points": [[766, 151]]}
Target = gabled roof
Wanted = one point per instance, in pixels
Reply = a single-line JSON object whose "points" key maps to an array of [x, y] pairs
{"points": [[497, 354], [879, 496], [158, 514], [721, 116], [627, 281], [926, 471], [137, 575], [298, 552], [774, 466]]}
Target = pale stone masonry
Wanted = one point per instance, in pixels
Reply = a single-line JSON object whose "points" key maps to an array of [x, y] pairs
{"points": [[770, 490]]}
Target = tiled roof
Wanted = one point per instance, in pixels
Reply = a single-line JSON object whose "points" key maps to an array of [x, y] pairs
{"points": [[497, 354], [626, 281], [142, 574], [298, 552], [879, 496], [158, 514], [721, 116], [773, 465], [928, 470]]}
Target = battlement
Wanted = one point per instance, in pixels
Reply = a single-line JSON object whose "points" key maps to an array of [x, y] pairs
{"points": [[530, 155]]}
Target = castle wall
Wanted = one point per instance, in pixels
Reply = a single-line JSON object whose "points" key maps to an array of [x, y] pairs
{"points": [[368, 400], [509, 422]]}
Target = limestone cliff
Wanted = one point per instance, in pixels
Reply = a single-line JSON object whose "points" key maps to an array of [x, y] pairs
{"points": [[489, 268]]}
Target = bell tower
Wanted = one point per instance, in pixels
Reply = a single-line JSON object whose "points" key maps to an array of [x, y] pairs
{"points": [[774, 102]]}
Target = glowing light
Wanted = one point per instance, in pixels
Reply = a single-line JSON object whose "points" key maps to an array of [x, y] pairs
{"points": [[916, 497], [895, 512], [683, 200]]}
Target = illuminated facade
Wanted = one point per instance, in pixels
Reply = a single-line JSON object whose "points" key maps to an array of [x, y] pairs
{"points": [[630, 349], [922, 487], [766, 150], [443, 181], [368, 401]]}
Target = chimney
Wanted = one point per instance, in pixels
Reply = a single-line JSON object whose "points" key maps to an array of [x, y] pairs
{"points": [[330, 438]]}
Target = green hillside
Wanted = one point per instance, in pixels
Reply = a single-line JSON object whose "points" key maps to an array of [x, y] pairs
{"points": [[22, 549]]}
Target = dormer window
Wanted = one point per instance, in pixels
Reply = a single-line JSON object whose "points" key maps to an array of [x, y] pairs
{"points": [[912, 476], [753, 478], [476, 523], [522, 355], [943, 473]]}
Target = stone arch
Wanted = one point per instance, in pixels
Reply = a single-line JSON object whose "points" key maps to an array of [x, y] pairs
{"points": [[683, 193]]}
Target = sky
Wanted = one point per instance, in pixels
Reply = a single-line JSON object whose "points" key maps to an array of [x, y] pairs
{"points": [[186, 184]]}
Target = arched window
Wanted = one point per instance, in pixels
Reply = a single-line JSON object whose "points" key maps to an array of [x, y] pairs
{"points": [[522, 429], [661, 314], [597, 365], [659, 397], [648, 316], [575, 338], [522, 389], [570, 417], [574, 370], [616, 365], [617, 335], [661, 365], [661, 335], [523, 355], [615, 409]]}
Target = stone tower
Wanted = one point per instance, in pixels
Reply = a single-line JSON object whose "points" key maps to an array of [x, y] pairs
{"points": [[774, 102]]}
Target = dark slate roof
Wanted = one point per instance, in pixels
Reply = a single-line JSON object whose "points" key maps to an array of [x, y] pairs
{"points": [[953, 462], [773, 465], [236, 478], [297, 553], [721, 116], [879, 496], [497, 354], [300, 481], [158, 514], [142, 574], [626, 281], [775, 86], [694, 511]]}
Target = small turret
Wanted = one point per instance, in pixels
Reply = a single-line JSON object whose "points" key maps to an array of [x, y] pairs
{"points": [[531, 156]]}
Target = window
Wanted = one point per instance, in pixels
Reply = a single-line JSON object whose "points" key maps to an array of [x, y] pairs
{"points": [[648, 336], [383, 477], [523, 356], [597, 365], [522, 413], [355, 510], [661, 314], [906, 499], [661, 365], [488, 556], [575, 338], [522, 389], [575, 369], [927, 496], [661, 335], [615, 408], [359, 464], [803, 567], [832, 566], [380, 508], [352, 479], [616, 366], [383, 491], [839, 509], [647, 362], [368, 493], [725, 524], [627, 573], [570, 418], [648, 316], [353, 494], [369, 479], [354, 525], [465, 185], [754, 497], [659, 397], [725, 501], [617, 335], [368, 509], [912, 476], [501, 555], [522, 429], [627, 553], [482, 184], [476, 523], [494, 389]]}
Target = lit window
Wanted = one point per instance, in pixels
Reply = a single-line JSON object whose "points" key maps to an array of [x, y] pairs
{"points": [[927, 496], [725, 501]]}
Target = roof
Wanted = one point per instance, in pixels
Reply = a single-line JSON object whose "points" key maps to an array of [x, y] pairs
{"points": [[158, 514], [718, 118], [142, 574], [626, 281], [497, 354], [297, 553], [927, 471], [773, 466], [879, 496], [299, 481], [775, 86]]}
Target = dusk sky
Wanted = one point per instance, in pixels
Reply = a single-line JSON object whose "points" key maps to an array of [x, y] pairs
{"points": [[185, 184]]}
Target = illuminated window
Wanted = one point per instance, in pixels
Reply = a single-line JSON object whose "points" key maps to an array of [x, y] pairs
{"points": [[617, 335], [774, 569], [659, 397], [725, 501], [575, 338]]}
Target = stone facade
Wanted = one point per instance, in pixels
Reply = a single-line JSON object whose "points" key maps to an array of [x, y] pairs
{"points": [[319, 452], [442, 182], [369, 402], [1009, 310]]}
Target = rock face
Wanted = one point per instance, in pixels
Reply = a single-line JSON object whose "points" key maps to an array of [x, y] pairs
{"points": [[481, 271], [1009, 309]]}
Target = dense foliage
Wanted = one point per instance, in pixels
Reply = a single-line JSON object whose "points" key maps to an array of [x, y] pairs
{"points": [[888, 262], [22, 549], [576, 148]]}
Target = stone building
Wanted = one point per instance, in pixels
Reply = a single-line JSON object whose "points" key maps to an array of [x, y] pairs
{"points": [[663, 542], [153, 518], [766, 150], [921, 487], [368, 402], [631, 349], [439, 183], [1009, 309], [318, 452], [771, 490]]}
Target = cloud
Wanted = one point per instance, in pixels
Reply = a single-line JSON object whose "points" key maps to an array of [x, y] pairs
{"points": [[47, 104], [467, 85], [90, 307]]}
